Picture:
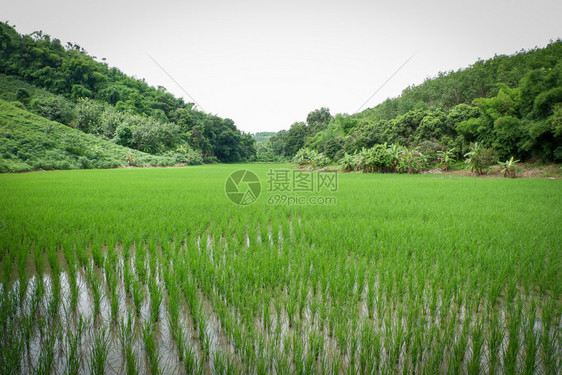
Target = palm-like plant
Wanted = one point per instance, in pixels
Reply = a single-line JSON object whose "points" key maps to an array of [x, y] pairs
{"points": [[509, 168], [362, 159], [411, 160], [319, 160], [473, 158], [446, 158], [304, 156], [395, 152], [347, 163]]}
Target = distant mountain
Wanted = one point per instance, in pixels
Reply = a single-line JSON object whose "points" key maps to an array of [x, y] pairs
{"points": [[261, 137]]}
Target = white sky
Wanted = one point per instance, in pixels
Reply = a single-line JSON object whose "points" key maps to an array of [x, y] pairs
{"points": [[266, 64]]}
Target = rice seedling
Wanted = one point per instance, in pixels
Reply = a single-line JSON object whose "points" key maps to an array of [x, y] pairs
{"points": [[47, 356], [73, 353], [392, 279], [99, 352], [155, 292], [150, 348], [191, 363], [138, 295], [127, 339]]}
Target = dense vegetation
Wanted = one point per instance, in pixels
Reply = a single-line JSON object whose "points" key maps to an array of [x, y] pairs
{"points": [[81, 92], [151, 271], [509, 104], [29, 142]]}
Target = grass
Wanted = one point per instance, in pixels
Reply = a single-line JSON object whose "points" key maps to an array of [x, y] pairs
{"points": [[410, 274]]}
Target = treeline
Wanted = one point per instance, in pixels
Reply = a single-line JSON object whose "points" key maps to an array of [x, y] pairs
{"points": [[104, 101], [509, 104]]}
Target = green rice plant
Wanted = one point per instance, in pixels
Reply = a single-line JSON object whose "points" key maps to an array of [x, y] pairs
{"points": [[7, 271], [127, 338], [130, 359], [191, 363], [298, 353], [495, 340], [74, 288], [140, 265], [510, 357], [13, 344], [38, 255], [151, 348], [99, 352], [55, 299], [155, 300], [550, 337], [138, 295], [96, 289], [127, 278], [530, 340], [97, 255], [83, 256], [47, 355], [219, 364], [391, 279], [73, 344], [114, 306], [23, 281], [477, 339]]}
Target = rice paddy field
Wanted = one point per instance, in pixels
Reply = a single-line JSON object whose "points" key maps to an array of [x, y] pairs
{"points": [[156, 271]]}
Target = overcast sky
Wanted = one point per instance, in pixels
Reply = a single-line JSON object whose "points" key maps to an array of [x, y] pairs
{"points": [[266, 64]]}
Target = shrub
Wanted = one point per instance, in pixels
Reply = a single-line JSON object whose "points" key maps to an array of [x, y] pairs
{"points": [[23, 96], [381, 158], [53, 107], [186, 155], [89, 116], [509, 168], [479, 158], [347, 162], [18, 105], [84, 163], [72, 143], [14, 165], [210, 160], [319, 161], [446, 158], [306, 156]]}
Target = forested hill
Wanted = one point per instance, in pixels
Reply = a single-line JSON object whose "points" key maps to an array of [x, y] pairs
{"points": [[510, 104], [91, 96]]}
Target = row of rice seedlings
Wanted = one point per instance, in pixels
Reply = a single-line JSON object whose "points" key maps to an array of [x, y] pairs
{"points": [[431, 305], [127, 340], [100, 351], [73, 354], [151, 348]]}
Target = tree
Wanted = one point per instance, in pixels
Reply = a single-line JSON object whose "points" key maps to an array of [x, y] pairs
{"points": [[318, 120], [295, 138]]}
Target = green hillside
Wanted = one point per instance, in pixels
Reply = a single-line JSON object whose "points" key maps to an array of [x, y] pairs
{"points": [[105, 102], [510, 104], [29, 141]]}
